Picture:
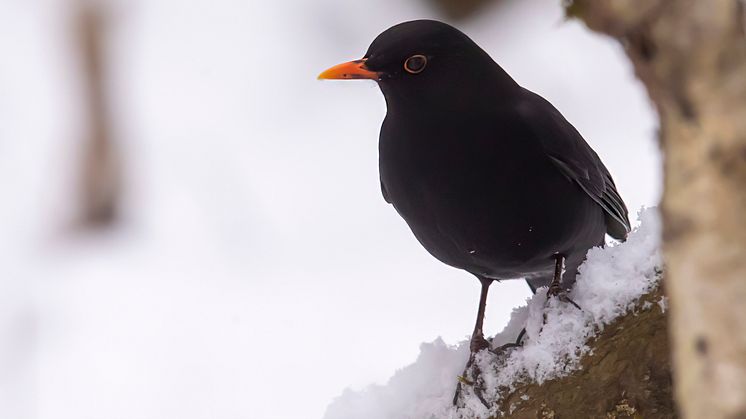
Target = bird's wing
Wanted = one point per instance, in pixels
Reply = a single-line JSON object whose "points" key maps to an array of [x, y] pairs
{"points": [[569, 152]]}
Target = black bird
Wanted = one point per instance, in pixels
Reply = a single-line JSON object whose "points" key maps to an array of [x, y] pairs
{"points": [[489, 176]]}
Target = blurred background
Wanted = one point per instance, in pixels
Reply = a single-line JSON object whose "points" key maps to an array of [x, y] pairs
{"points": [[192, 224]]}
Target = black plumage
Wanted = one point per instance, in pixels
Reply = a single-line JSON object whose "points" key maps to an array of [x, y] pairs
{"points": [[489, 176]]}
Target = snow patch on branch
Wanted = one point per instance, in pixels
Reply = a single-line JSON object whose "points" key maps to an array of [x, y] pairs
{"points": [[609, 284]]}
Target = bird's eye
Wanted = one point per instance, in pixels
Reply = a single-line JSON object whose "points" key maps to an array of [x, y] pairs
{"points": [[415, 64]]}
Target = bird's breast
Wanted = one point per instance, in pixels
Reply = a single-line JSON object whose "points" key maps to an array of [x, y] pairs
{"points": [[476, 199]]}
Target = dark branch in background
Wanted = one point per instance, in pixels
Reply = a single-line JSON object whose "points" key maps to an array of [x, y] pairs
{"points": [[100, 174]]}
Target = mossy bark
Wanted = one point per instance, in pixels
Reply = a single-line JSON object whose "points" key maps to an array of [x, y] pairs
{"points": [[626, 375]]}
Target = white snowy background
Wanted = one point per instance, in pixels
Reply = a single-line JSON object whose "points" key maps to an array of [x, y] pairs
{"points": [[257, 272]]}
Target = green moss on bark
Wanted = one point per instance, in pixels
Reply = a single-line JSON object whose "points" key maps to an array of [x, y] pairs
{"points": [[626, 375]]}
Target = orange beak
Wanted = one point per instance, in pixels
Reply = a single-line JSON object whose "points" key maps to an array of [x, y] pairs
{"points": [[350, 70]]}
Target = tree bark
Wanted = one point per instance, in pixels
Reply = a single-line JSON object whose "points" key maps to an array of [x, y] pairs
{"points": [[627, 374], [691, 56]]}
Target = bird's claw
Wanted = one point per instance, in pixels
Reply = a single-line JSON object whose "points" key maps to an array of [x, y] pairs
{"points": [[478, 343], [561, 294], [476, 387], [504, 348]]}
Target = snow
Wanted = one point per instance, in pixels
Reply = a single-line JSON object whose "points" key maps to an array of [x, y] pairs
{"points": [[663, 303], [425, 382], [609, 284]]}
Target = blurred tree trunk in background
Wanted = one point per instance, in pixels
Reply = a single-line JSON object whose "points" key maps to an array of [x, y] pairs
{"points": [[691, 56], [100, 177]]}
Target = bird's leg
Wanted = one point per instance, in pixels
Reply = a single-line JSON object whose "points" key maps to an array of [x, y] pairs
{"points": [[555, 287], [478, 343]]}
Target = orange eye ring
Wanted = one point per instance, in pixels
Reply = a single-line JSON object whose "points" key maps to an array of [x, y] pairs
{"points": [[415, 64]]}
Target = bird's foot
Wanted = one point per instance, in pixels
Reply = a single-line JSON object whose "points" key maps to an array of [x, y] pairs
{"points": [[500, 350], [475, 382], [478, 343], [561, 294]]}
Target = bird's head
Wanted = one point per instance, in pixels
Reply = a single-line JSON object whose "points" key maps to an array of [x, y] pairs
{"points": [[425, 61]]}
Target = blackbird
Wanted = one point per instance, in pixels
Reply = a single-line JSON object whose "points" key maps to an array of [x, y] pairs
{"points": [[489, 176]]}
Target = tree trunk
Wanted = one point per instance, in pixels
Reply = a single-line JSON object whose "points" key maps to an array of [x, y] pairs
{"points": [[691, 56]]}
